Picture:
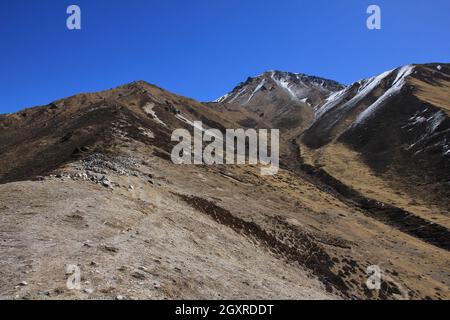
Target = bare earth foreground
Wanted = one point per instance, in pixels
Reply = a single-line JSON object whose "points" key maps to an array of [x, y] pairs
{"points": [[142, 238], [140, 243]]}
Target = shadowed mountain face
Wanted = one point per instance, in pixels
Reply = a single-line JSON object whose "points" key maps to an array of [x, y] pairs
{"points": [[364, 181], [398, 122]]}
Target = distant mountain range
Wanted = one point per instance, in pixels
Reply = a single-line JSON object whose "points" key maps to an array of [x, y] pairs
{"points": [[365, 179]]}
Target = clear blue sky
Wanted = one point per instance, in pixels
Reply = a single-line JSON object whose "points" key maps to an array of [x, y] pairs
{"points": [[203, 48]]}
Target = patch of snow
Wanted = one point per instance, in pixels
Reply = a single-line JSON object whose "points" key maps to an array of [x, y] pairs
{"points": [[256, 90], [320, 84], [222, 98], [447, 152], [419, 119], [284, 83], [241, 92], [439, 67], [184, 119], [365, 88], [305, 100], [148, 108], [147, 133], [435, 120], [369, 85], [446, 148], [330, 102], [432, 123], [397, 85]]}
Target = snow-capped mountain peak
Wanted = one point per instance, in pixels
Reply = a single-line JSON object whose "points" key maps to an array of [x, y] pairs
{"points": [[363, 89], [272, 84]]}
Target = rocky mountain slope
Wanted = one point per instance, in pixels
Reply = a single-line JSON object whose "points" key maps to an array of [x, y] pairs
{"points": [[88, 181], [397, 125], [279, 99]]}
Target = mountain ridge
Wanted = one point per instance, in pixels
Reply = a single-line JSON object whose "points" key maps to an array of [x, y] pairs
{"points": [[283, 79]]}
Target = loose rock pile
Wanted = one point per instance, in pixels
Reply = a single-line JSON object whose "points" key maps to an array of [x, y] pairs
{"points": [[96, 167], [102, 164]]}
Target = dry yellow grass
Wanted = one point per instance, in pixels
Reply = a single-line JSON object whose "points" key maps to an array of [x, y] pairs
{"points": [[436, 95], [348, 166]]}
